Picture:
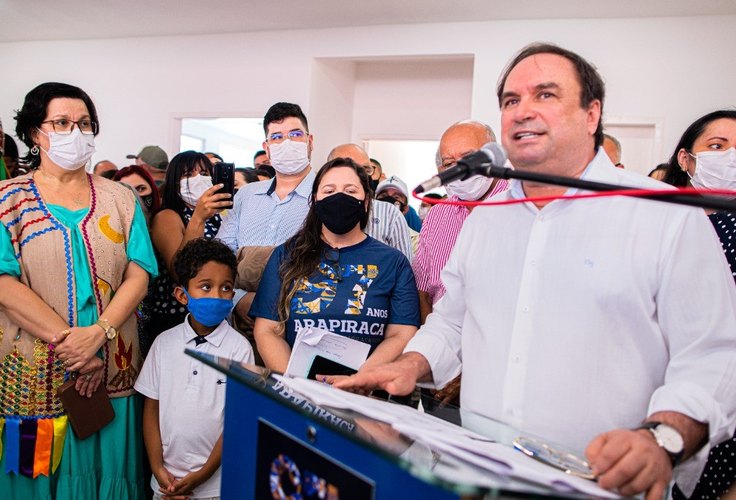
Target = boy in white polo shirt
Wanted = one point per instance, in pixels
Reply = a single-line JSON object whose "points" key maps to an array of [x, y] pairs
{"points": [[185, 400]]}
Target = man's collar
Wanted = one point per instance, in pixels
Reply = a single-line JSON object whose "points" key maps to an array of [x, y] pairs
{"points": [[599, 168], [271, 187], [215, 337], [304, 189]]}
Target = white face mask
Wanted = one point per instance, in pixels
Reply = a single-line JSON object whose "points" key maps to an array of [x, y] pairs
{"points": [[289, 157], [70, 151], [470, 189], [191, 189], [715, 170]]}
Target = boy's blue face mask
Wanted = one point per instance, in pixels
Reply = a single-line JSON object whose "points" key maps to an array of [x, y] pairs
{"points": [[208, 311]]}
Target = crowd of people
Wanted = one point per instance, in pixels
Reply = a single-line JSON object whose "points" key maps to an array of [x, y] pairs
{"points": [[607, 324]]}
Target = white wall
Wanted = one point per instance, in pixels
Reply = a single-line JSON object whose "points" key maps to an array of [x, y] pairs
{"points": [[673, 69], [411, 99]]}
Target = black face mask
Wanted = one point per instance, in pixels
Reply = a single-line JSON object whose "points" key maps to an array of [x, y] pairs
{"points": [[148, 200], [373, 183], [340, 212]]}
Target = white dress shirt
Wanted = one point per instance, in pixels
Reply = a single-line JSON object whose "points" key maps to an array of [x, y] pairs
{"points": [[588, 315], [191, 397], [260, 218]]}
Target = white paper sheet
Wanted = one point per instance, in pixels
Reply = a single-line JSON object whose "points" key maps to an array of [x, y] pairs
{"points": [[463, 444], [311, 342]]}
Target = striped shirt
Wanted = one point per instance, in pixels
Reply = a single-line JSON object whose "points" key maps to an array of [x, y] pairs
{"points": [[388, 225], [260, 218], [439, 233]]}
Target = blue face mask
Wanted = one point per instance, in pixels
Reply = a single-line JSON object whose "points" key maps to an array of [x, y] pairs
{"points": [[208, 311]]}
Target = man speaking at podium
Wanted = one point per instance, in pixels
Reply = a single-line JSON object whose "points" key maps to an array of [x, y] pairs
{"points": [[607, 325]]}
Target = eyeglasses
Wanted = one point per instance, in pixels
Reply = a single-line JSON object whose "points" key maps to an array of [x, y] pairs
{"points": [[297, 134], [369, 169], [64, 126]]}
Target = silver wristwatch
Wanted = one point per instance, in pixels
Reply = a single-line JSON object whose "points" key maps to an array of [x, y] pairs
{"points": [[668, 438]]}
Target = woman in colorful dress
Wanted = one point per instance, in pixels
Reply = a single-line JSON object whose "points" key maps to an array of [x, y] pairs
{"points": [[75, 259]]}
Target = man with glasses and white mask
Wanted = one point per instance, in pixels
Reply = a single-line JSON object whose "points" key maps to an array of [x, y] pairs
{"points": [[267, 213]]}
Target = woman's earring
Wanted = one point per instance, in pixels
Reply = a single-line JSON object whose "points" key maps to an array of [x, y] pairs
{"points": [[35, 150]]}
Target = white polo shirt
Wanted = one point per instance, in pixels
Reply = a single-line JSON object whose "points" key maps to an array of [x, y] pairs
{"points": [[191, 397]]}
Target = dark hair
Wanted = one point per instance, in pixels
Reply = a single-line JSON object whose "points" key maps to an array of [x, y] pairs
{"points": [[280, 112], [373, 160], [196, 253], [250, 174], [108, 174], [260, 152], [219, 158], [661, 166], [434, 196], [305, 249], [181, 165], [34, 110], [266, 170], [675, 175], [11, 148], [139, 170], [591, 84]]}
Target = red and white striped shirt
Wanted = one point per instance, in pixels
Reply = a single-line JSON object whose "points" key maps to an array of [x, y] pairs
{"points": [[439, 233]]}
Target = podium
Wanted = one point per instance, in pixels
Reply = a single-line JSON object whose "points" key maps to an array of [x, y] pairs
{"points": [[277, 444]]}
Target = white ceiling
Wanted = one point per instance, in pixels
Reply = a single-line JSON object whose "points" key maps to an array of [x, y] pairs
{"points": [[23, 20]]}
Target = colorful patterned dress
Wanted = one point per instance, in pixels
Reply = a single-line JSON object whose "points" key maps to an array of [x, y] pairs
{"points": [[57, 252]]}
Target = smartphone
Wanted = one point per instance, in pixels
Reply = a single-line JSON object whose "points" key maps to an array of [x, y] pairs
{"points": [[224, 173], [324, 366]]}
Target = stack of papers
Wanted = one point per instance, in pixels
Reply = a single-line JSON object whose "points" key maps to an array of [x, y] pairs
{"points": [[312, 342], [446, 438]]}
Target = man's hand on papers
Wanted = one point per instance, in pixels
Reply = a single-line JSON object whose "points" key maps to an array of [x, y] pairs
{"points": [[631, 462], [398, 378]]}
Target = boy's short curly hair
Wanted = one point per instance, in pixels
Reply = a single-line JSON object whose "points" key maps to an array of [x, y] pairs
{"points": [[196, 253]]}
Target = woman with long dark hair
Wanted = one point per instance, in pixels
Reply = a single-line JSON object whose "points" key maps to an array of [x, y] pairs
{"points": [[333, 276], [190, 209]]}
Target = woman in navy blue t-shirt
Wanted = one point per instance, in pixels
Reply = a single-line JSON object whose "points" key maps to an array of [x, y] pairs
{"points": [[332, 275]]}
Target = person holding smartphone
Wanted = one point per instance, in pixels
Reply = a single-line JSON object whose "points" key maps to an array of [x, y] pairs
{"points": [[190, 209]]}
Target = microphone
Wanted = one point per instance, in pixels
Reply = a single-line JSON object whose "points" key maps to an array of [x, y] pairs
{"points": [[480, 162]]}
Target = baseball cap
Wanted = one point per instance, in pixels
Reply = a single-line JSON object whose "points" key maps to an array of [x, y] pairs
{"points": [[393, 182], [154, 156]]}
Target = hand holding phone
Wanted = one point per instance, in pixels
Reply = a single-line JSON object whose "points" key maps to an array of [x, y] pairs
{"points": [[224, 173]]}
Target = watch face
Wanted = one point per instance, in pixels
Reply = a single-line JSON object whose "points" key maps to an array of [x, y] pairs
{"points": [[669, 437]]}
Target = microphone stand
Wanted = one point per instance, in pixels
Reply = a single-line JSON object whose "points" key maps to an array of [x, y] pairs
{"points": [[702, 201]]}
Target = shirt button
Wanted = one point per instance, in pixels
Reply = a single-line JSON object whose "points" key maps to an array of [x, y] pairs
{"points": [[516, 359], [194, 372], [526, 309]]}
